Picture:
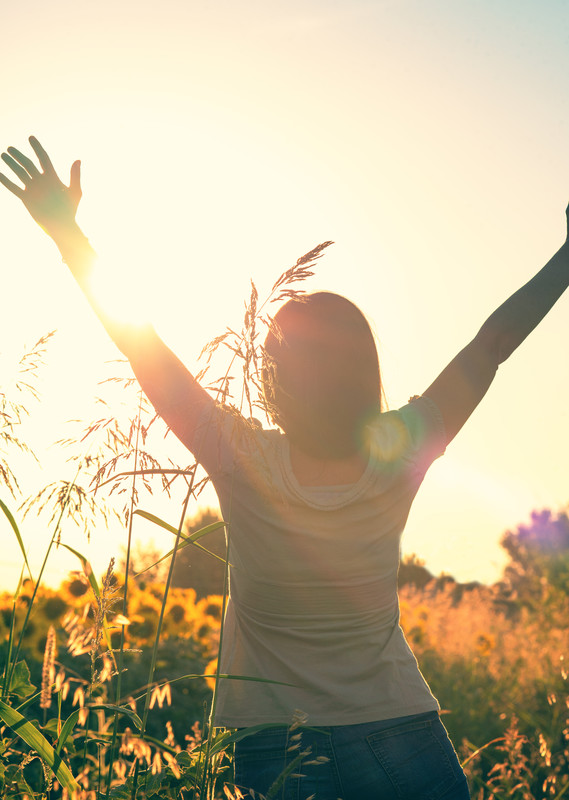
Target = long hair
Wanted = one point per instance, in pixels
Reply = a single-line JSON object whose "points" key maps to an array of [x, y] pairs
{"points": [[321, 376]]}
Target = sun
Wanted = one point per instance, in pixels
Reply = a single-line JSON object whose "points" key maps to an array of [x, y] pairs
{"points": [[120, 292]]}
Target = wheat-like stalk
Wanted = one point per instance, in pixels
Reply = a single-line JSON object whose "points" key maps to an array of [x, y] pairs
{"points": [[48, 669], [105, 601]]}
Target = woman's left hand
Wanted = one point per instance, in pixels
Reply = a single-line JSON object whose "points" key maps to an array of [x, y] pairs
{"points": [[51, 203]]}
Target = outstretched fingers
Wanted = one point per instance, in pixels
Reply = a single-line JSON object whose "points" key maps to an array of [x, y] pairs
{"points": [[26, 162], [43, 157], [11, 186], [24, 168], [16, 168]]}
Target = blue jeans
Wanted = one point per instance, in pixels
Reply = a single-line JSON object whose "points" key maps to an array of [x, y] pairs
{"points": [[408, 758]]}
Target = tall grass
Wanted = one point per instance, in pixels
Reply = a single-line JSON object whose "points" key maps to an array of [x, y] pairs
{"points": [[109, 650], [500, 674], [113, 453]]}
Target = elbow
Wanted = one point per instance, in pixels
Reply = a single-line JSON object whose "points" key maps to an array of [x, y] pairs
{"points": [[497, 346], [505, 351]]}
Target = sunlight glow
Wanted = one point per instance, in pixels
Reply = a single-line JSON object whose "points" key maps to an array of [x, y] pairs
{"points": [[120, 293], [398, 130], [497, 493]]}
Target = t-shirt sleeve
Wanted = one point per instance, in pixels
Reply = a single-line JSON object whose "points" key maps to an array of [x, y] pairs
{"points": [[225, 440], [426, 430]]}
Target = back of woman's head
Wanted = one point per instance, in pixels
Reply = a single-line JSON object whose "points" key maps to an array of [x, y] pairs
{"points": [[321, 378]]}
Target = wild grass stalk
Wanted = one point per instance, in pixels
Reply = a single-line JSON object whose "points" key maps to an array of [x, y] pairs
{"points": [[120, 666], [12, 411], [225, 595], [160, 622], [10, 667], [48, 671], [5, 683]]}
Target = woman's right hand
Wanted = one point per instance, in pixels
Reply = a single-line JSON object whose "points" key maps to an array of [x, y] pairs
{"points": [[50, 202]]}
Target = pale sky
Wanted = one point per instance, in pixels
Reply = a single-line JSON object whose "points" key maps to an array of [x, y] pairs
{"points": [[220, 141]]}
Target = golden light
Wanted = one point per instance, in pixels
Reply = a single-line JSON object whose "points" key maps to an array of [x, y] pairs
{"points": [[120, 292]]}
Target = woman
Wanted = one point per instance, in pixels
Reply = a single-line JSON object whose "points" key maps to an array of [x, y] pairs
{"points": [[316, 511]]}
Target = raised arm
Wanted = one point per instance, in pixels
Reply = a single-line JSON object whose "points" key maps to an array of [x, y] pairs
{"points": [[464, 382], [174, 392]]}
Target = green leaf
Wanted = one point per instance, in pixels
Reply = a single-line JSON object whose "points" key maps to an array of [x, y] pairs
{"points": [[66, 730], [34, 739], [185, 543], [88, 570], [123, 791], [128, 712], [12, 522], [164, 557], [192, 539], [157, 521], [279, 781], [14, 778], [51, 726], [20, 684], [247, 678], [215, 526], [160, 745], [225, 738], [19, 586], [153, 782]]}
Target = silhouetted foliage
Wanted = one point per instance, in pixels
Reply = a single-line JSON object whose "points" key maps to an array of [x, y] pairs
{"points": [[539, 558], [412, 571], [143, 564], [196, 569]]}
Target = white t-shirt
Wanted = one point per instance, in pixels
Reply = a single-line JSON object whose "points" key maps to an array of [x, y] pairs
{"points": [[313, 578]]}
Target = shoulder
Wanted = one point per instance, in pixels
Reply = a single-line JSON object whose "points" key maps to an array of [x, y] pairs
{"points": [[424, 421], [228, 440], [415, 432]]}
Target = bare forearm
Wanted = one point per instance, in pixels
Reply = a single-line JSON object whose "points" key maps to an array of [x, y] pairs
{"points": [[173, 391], [81, 259], [76, 251], [515, 319]]}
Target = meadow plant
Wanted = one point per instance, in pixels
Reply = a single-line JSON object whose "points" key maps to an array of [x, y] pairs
{"points": [[108, 758], [501, 678], [115, 707], [14, 409]]}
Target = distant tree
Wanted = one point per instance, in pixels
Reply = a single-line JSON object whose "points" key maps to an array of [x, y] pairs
{"points": [[193, 567], [412, 570], [539, 557], [143, 564]]}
